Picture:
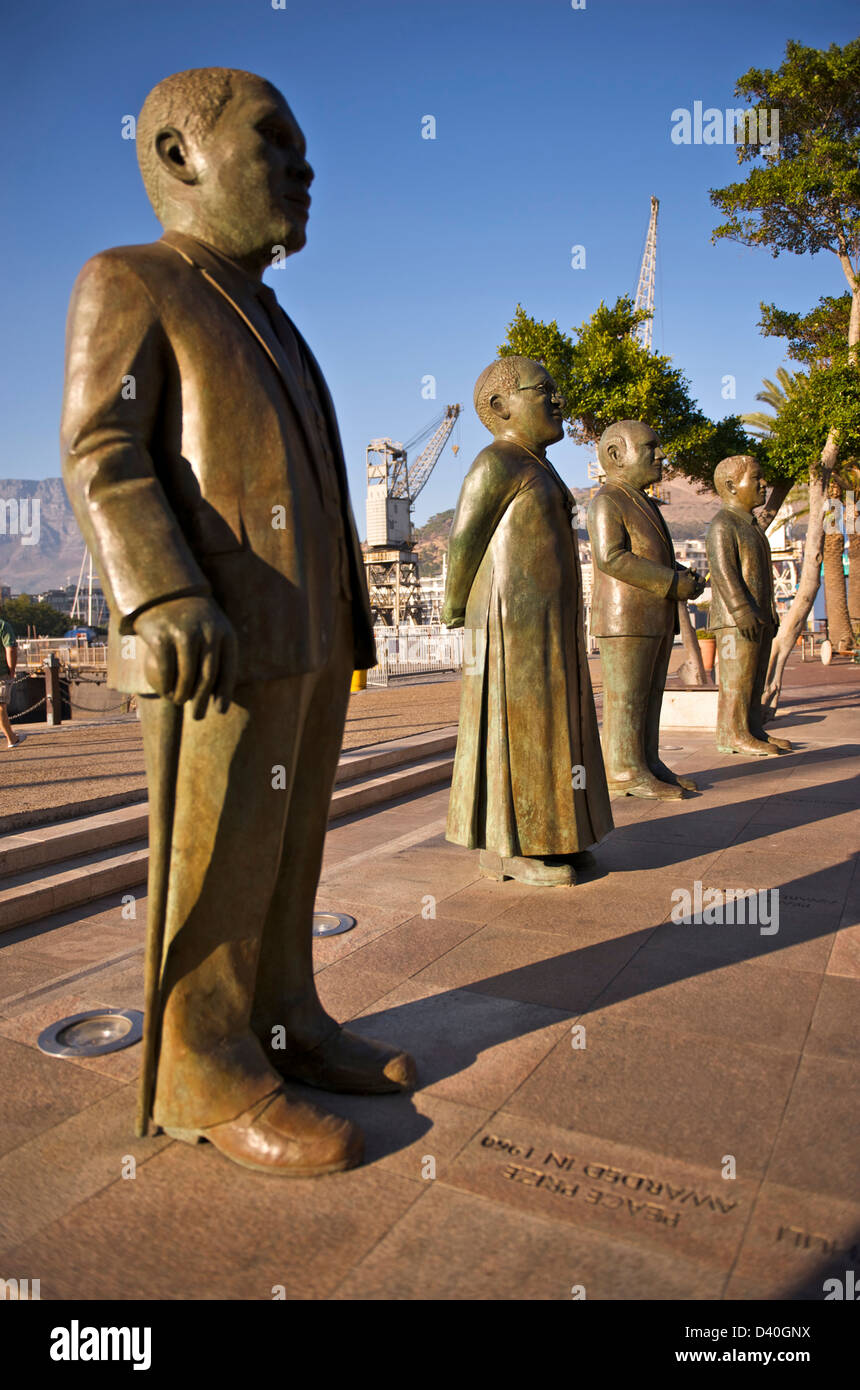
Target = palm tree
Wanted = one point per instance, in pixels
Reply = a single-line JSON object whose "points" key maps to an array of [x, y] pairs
{"points": [[775, 396]]}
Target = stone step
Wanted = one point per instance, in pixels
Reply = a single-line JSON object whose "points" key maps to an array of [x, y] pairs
{"points": [[55, 887], [365, 762], [373, 791], [51, 868], [50, 844]]}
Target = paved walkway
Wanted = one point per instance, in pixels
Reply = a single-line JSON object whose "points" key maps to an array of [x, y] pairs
{"points": [[607, 1099]]}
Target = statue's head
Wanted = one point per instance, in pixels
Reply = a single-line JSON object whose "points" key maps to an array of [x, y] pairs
{"points": [[739, 480], [629, 452], [517, 399], [223, 158]]}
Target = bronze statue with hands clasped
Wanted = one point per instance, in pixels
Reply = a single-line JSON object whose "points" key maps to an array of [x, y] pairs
{"points": [[637, 585]]}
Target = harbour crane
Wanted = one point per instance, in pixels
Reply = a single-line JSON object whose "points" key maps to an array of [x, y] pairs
{"points": [[647, 280], [393, 484], [644, 332]]}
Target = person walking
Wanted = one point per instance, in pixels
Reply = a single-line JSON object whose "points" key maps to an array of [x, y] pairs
{"points": [[9, 649]]}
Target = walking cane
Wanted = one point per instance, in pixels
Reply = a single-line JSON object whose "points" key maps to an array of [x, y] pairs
{"points": [[164, 750]]}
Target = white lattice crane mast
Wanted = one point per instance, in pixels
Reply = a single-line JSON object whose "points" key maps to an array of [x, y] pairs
{"points": [[392, 487], [644, 331], [413, 479], [647, 279]]}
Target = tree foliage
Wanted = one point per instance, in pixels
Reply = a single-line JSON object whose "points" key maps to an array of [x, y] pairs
{"points": [[606, 374], [24, 612], [817, 338], [821, 399], [805, 197]]}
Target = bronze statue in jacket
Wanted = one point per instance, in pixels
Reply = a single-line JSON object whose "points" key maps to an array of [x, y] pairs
{"points": [[743, 610], [202, 457], [636, 588]]}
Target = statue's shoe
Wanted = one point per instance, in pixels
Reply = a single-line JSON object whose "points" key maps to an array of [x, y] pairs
{"points": [[348, 1063], [751, 748], [781, 743], [547, 871], [647, 786], [283, 1137], [674, 779]]}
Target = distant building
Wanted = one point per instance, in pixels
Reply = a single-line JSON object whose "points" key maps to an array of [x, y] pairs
{"points": [[63, 600], [693, 554], [432, 590]]}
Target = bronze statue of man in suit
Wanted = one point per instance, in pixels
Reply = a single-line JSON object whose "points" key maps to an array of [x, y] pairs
{"points": [[202, 457], [636, 588], [528, 789], [743, 609]]}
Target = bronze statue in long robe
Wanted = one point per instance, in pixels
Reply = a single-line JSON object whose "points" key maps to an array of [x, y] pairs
{"points": [[528, 774]]}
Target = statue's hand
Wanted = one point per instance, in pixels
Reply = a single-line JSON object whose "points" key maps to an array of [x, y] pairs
{"points": [[192, 652], [451, 619], [689, 585], [749, 624]]}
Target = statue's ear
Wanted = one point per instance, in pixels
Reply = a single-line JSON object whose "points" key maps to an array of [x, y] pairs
{"points": [[499, 406], [174, 155], [731, 486]]}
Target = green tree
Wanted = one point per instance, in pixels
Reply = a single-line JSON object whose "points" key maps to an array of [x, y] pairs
{"points": [[804, 197], [24, 612], [607, 375]]}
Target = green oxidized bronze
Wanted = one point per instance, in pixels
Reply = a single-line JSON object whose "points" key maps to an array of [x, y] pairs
{"points": [[636, 587], [528, 788], [202, 457], [743, 610]]}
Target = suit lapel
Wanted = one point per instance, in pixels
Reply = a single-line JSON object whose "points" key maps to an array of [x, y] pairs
{"points": [[267, 341], [653, 516], [325, 401]]}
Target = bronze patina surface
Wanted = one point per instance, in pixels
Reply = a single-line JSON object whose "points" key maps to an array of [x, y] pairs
{"points": [[743, 609], [202, 457], [637, 585], [529, 788]]}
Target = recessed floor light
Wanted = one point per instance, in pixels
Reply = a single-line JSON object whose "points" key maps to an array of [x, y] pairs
{"points": [[91, 1033], [332, 923]]}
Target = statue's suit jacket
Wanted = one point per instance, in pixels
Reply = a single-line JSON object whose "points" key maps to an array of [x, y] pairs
{"points": [[741, 569], [188, 456], [634, 565]]}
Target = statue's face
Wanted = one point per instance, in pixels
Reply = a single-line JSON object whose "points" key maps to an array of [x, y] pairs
{"points": [[253, 183], [751, 488], [534, 410], [639, 461]]}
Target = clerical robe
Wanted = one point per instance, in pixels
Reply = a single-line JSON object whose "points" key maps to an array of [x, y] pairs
{"points": [[528, 773]]}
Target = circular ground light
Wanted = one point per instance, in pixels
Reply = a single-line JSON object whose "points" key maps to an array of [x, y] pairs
{"points": [[92, 1033], [332, 923]]}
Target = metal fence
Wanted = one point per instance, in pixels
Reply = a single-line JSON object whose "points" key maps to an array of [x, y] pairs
{"points": [[69, 651], [411, 651]]}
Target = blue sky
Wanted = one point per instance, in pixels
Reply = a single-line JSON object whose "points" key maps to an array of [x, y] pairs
{"points": [[552, 129]]}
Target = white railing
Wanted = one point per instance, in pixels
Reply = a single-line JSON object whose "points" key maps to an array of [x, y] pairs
{"points": [[410, 651], [69, 651]]}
